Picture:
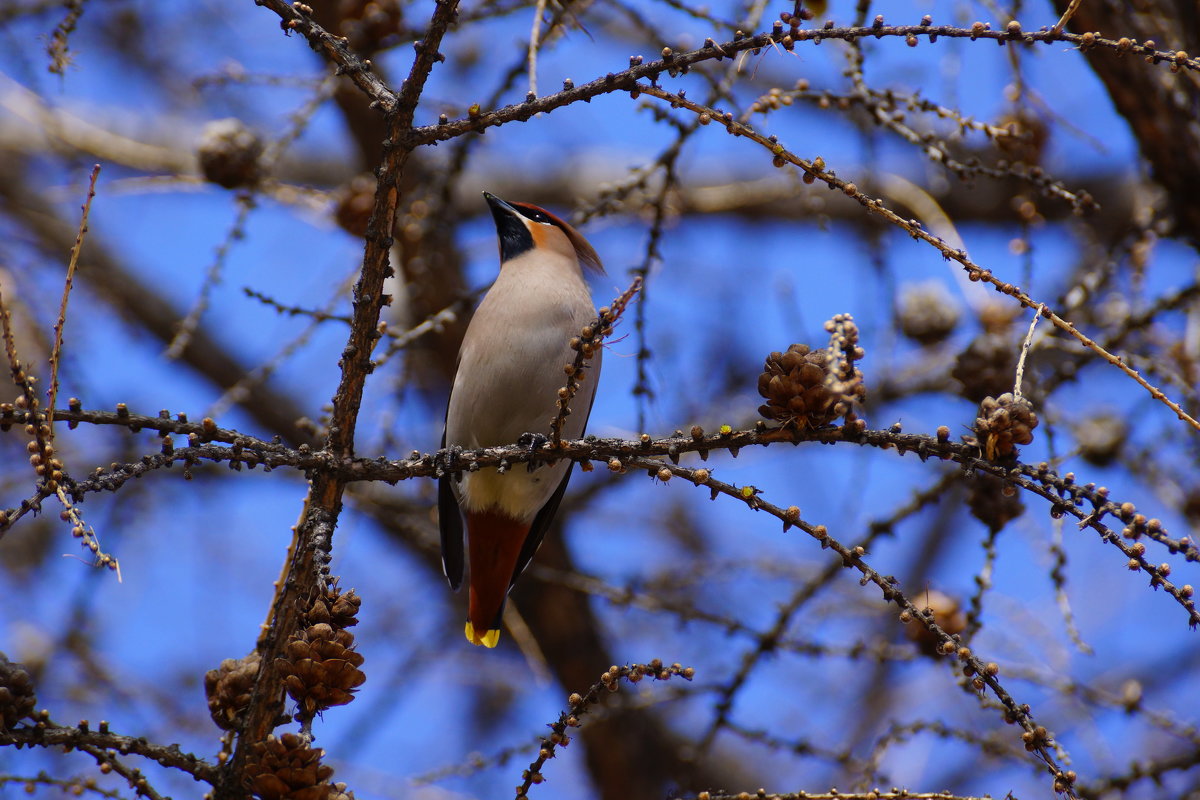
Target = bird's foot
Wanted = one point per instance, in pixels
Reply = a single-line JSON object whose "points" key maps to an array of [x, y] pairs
{"points": [[446, 460], [534, 442]]}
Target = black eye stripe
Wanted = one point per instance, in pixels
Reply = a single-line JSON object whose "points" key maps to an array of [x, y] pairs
{"points": [[537, 215]]}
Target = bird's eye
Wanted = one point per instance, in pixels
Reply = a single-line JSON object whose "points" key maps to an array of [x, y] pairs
{"points": [[535, 214]]}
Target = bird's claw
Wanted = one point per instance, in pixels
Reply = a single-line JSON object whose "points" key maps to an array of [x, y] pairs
{"points": [[533, 442], [446, 460]]}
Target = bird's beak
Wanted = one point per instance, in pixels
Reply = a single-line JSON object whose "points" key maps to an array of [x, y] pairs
{"points": [[497, 204]]}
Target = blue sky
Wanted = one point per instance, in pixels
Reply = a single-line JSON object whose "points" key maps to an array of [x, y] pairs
{"points": [[198, 559]]}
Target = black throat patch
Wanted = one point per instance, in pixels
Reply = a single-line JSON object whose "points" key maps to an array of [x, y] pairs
{"points": [[515, 237]]}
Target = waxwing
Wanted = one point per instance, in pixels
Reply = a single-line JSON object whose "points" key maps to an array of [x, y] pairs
{"points": [[510, 369]]}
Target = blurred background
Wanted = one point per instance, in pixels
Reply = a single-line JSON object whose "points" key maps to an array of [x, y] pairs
{"points": [[226, 233]]}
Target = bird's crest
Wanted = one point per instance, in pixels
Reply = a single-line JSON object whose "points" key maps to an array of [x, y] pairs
{"points": [[586, 254]]}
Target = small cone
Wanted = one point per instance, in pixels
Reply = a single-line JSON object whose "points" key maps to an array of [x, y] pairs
{"points": [[797, 388], [286, 768], [228, 688], [988, 367], [946, 613], [1003, 423], [17, 698]]}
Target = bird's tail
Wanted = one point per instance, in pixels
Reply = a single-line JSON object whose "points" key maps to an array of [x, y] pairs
{"points": [[494, 541]]}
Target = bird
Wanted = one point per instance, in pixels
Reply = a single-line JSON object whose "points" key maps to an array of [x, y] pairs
{"points": [[506, 388]]}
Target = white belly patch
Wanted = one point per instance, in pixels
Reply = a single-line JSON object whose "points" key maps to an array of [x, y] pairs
{"points": [[517, 493]]}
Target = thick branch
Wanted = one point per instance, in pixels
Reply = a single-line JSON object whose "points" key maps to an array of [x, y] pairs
{"points": [[313, 538]]}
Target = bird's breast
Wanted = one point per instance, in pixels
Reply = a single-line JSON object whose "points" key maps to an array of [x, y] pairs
{"points": [[511, 367], [512, 361]]}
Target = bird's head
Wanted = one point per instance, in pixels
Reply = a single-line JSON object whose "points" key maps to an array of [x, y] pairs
{"points": [[523, 228]]}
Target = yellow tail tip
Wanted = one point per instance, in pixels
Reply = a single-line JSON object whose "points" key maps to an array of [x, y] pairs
{"points": [[489, 639]]}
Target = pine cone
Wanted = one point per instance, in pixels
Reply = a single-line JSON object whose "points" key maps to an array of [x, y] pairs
{"points": [[355, 202], [286, 768], [946, 613], [229, 153], [1191, 506], [1003, 422], [993, 502], [229, 687], [997, 317], [1027, 142], [17, 698], [321, 668], [371, 25], [344, 609], [927, 313], [1101, 438], [334, 607], [796, 386], [987, 367]]}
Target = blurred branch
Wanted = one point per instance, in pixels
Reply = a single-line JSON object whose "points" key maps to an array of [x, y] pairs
{"points": [[833, 794], [1159, 112], [579, 703], [102, 273], [1036, 737], [60, 323], [770, 641], [815, 170]]}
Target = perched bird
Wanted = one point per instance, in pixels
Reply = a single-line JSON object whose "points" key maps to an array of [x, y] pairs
{"points": [[510, 368]]}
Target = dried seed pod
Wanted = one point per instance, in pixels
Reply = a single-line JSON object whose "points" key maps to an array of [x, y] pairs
{"points": [[946, 613], [993, 502], [229, 153], [987, 367], [17, 698], [1004, 422], [286, 768], [927, 312], [800, 390], [228, 688]]}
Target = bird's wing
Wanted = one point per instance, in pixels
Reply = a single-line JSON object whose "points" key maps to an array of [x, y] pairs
{"points": [[451, 527], [537, 530], [541, 523]]}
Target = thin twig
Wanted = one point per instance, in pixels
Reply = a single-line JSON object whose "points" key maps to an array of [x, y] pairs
{"points": [[534, 41], [1039, 743], [212, 276], [917, 231], [50, 735], [1025, 351], [627, 80], [578, 705], [56, 352], [585, 345], [1066, 17]]}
